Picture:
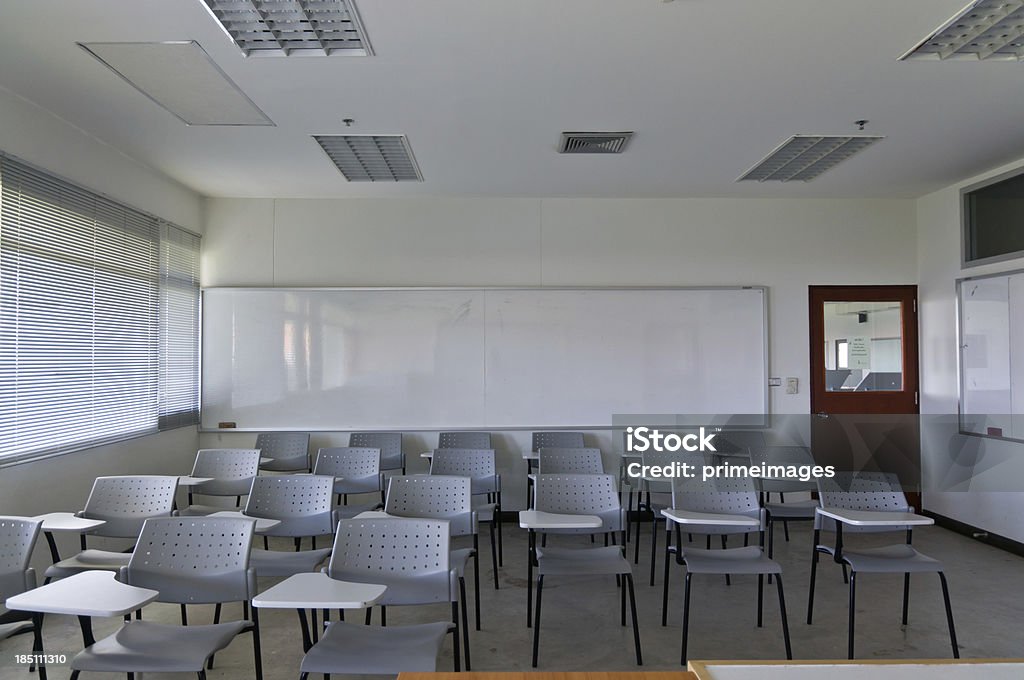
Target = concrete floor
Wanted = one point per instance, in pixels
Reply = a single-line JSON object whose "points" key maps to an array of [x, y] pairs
{"points": [[581, 631]]}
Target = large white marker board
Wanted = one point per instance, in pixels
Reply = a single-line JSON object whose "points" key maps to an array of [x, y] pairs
{"points": [[421, 359]]}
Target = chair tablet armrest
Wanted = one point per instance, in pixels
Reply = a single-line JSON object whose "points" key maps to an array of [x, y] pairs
{"points": [[30, 578]]}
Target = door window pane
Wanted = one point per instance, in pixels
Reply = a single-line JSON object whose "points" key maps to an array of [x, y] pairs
{"points": [[863, 346]]}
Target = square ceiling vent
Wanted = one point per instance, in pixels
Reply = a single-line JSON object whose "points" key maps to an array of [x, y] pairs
{"points": [[594, 142], [371, 158], [804, 157], [283, 28], [985, 29]]}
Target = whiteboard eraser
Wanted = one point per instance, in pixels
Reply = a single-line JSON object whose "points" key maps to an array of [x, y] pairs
{"points": [[227, 425]]}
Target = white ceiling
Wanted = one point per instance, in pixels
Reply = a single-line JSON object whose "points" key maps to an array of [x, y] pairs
{"points": [[483, 89]]}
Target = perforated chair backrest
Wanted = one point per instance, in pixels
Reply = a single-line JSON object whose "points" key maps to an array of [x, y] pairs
{"points": [[17, 540], [283, 444], [194, 559], [786, 457], [565, 440], [389, 443], [358, 466], [464, 440], [737, 442], [571, 461], [581, 495], [301, 502], [409, 556], [719, 495], [232, 471], [477, 464], [124, 503], [878, 491], [433, 497]]}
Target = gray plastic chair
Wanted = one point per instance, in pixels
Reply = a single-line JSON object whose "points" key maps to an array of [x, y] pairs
{"points": [[464, 440], [549, 439], [448, 498], [392, 457], [784, 512], [124, 503], [231, 472], [412, 558], [302, 503], [581, 494], [570, 461], [288, 451], [734, 497], [189, 560], [17, 541], [356, 470], [479, 465], [880, 492]]}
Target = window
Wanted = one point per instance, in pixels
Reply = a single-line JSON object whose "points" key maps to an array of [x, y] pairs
{"points": [[993, 219], [98, 318]]}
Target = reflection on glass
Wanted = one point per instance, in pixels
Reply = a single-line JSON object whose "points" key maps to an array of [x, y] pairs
{"points": [[863, 346]]}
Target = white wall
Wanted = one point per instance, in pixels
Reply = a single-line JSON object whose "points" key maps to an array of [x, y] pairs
{"points": [[938, 223], [783, 244], [40, 138]]}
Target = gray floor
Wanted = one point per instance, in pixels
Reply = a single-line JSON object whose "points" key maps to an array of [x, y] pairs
{"points": [[581, 631]]}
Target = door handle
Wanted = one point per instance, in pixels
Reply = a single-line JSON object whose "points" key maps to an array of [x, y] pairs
{"points": [[822, 415]]}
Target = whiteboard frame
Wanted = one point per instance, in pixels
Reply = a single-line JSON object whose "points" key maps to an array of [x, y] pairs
{"points": [[567, 426], [958, 300]]}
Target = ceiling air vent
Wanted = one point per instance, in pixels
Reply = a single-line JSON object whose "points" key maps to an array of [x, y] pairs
{"points": [[371, 158], [804, 157], [286, 27], [594, 142], [985, 29]]}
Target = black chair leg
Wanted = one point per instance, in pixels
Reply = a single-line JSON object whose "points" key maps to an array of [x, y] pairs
{"points": [[771, 542], [383, 616], [501, 547], [686, 616], [456, 652], [785, 621], [465, 621], [760, 600], [636, 625], [494, 553], [622, 607], [37, 641], [664, 590], [476, 580], [949, 616], [814, 573], [257, 650], [654, 545], [536, 622], [728, 579], [906, 598], [184, 615], [853, 609], [846, 577]]}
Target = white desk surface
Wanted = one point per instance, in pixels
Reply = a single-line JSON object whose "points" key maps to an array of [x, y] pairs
{"points": [[67, 522], [873, 518], [686, 517], [427, 454], [531, 455], [537, 519], [189, 480], [964, 669], [375, 514], [265, 459], [89, 593], [318, 591], [261, 523]]}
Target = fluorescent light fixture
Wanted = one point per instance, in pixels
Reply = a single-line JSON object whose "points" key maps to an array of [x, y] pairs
{"points": [[985, 29], [182, 79], [594, 142], [285, 27], [371, 158], [804, 157]]}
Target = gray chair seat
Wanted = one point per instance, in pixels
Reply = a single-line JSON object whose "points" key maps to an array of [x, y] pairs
{"points": [[88, 560], [281, 563], [144, 646], [350, 511], [797, 510], [748, 560], [197, 510], [371, 650], [890, 559], [300, 462], [485, 511], [9, 629], [580, 561]]}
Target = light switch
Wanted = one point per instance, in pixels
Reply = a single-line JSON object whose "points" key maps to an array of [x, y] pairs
{"points": [[792, 385], [774, 382]]}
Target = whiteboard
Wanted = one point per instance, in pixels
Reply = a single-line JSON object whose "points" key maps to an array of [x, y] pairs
{"points": [[423, 359]]}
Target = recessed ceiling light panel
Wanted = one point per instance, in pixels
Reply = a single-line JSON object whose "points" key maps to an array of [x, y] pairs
{"points": [[371, 158], [804, 157], [985, 29], [286, 27], [181, 78], [594, 142]]}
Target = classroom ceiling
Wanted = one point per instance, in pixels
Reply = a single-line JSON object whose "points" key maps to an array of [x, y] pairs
{"points": [[483, 90]]}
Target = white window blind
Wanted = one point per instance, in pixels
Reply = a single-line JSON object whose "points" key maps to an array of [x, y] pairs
{"points": [[95, 312]]}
